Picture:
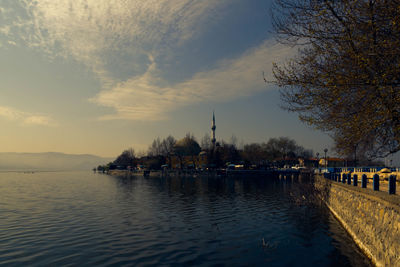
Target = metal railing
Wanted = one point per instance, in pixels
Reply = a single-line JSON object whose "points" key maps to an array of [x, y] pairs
{"points": [[347, 178]]}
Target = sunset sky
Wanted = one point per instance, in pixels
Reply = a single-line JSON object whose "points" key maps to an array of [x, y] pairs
{"points": [[99, 76]]}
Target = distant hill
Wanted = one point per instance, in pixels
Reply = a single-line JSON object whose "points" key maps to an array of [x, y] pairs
{"points": [[49, 161]]}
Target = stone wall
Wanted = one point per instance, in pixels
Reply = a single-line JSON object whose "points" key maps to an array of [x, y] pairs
{"points": [[372, 218]]}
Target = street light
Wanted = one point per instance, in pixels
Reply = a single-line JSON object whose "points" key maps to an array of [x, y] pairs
{"points": [[326, 165]]}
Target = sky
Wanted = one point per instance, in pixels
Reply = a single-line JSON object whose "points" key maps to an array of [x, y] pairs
{"points": [[100, 76]]}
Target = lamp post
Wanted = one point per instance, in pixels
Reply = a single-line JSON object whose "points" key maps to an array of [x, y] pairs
{"points": [[326, 163]]}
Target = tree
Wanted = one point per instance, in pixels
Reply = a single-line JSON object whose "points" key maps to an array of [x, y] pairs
{"points": [[253, 153], [156, 148], [206, 144], [127, 158], [162, 148], [345, 79], [187, 146], [152, 162], [282, 147], [229, 153], [167, 146]]}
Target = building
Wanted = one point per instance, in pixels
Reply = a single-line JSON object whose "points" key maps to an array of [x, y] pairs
{"points": [[203, 160], [213, 127], [332, 162]]}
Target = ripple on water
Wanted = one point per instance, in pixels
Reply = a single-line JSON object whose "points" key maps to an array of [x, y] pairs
{"points": [[82, 218]]}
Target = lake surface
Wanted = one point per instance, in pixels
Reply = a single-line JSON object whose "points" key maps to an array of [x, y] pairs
{"points": [[82, 218]]}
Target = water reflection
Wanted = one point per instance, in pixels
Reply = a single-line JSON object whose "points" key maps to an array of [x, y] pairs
{"points": [[229, 216], [95, 219]]}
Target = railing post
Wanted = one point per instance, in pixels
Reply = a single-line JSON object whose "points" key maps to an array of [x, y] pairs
{"points": [[355, 179], [349, 178], [392, 184], [344, 178], [336, 177], [376, 182], [364, 181]]}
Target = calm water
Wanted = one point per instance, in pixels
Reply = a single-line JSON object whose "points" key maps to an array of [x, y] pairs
{"points": [[78, 218]]}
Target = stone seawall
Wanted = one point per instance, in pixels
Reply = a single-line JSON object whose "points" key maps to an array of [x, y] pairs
{"points": [[372, 218]]}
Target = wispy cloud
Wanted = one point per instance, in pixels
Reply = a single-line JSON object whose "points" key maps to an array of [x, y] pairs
{"points": [[89, 29], [95, 32], [26, 118], [141, 98]]}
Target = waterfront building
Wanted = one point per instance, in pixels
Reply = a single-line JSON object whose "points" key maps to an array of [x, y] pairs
{"points": [[202, 160], [334, 162]]}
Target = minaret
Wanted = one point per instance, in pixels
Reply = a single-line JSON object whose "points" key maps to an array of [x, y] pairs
{"points": [[213, 127]]}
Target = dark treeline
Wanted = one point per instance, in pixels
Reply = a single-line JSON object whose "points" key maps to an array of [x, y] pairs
{"points": [[172, 153]]}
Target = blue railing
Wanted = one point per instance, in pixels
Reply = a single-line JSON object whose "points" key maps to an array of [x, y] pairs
{"points": [[348, 178]]}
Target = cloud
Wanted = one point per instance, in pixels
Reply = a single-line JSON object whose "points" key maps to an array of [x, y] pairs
{"points": [[26, 118], [10, 114], [38, 120], [142, 97], [89, 29], [133, 34]]}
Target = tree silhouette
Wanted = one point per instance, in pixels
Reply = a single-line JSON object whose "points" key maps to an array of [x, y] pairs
{"points": [[187, 146], [345, 79]]}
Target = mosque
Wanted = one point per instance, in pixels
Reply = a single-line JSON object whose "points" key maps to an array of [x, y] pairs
{"points": [[213, 127], [201, 160]]}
